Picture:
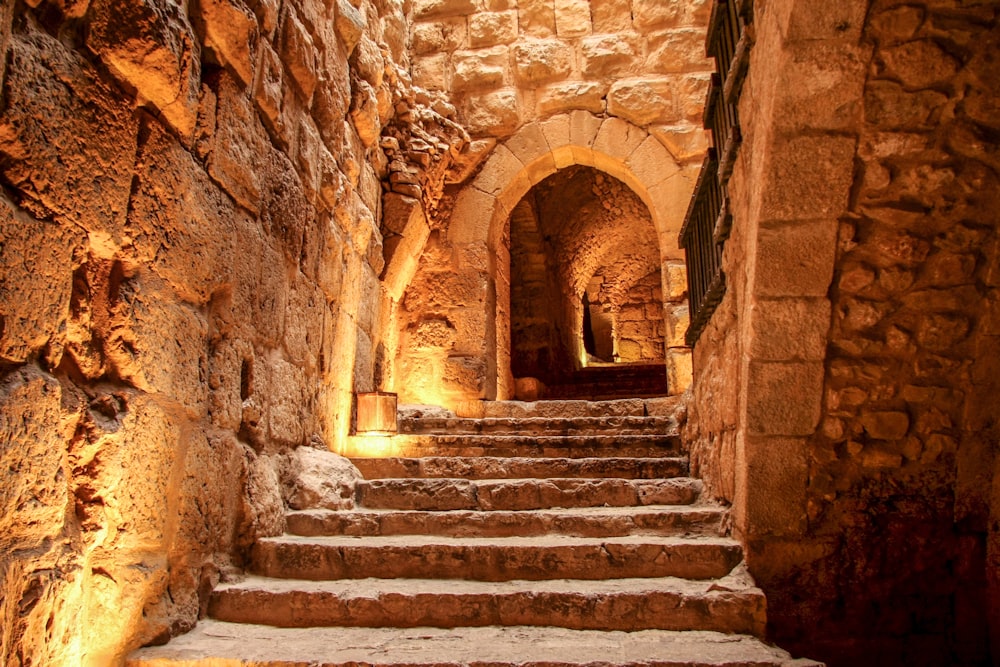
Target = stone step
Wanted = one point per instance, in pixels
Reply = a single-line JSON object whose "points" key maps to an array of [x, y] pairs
{"points": [[577, 446], [524, 494], [575, 522], [496, 558], [216, 643], [730, 604], [559, 409], [491, 467], [626, 425]]}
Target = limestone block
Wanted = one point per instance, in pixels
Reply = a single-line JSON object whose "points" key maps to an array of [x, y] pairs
{"points": [[691, 92], [541, 61], [642, 101], [269, 88], [266, 12], [315, 478], [585, 95], [789, 329], [611, 15], [675, 285], [889, 107], [287, 400], [822, 86], [426, 9], [182, 224], [36, 277], [349, 24], [437, 36], [556, 131], [237, 142], [654, 166], [208, 511], [51, 152], [679, 370], [784, 399], [368, 62], [495, 114], [286, 211], [686, 143], [777, 472], [537, 17], [606, 55], [528, 144], [885, 425], [431, 72], [34, 497], [845, 22], [229, 30], [673, 51], [656, 13], [572, 18], [263, 508], [618, 138], [796, 260], [299, 55], [364, 114], [490, 28], [583, 128], [483, 68], [164, 351], [151, 48], [678, 320], [332, 98], [500, 171]]}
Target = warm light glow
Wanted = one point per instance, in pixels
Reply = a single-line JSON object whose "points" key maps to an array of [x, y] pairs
{"points": [[376, 413], [374, 446]]}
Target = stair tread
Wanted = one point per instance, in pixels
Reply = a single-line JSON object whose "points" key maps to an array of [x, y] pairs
{"points": [[371, 587], [540, 541], [518, 467], [512, 645], [552, 511]]}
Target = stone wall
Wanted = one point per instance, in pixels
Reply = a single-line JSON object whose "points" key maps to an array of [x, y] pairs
{"points": [[540, 85], [189, 267], [844, 396]]}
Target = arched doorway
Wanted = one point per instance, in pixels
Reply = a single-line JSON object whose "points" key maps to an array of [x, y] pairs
{"points": [[585, 286]]}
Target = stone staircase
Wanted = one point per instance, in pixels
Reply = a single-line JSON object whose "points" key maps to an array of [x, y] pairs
{"points": [[555, 533]]}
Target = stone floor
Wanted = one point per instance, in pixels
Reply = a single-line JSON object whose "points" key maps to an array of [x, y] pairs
{"points": [[553, 533]]}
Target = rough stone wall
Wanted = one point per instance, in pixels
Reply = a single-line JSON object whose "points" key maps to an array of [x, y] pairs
{"points": [[188, 289], [845, 389], [506, 62], [557, 83]]}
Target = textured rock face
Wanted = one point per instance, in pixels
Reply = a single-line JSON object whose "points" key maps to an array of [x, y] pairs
{"points": [[189, 271], [845, 388]]}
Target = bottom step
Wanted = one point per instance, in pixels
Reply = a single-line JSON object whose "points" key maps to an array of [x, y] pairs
{"points": [[217, 644]]}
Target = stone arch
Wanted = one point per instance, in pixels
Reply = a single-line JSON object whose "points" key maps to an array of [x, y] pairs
{"points": [[536, 151]]}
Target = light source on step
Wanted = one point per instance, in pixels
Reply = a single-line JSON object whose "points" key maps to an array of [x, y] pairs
{"points": [[376, 413]]}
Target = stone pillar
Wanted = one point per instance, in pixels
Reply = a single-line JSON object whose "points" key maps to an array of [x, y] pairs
{"points": [[676, 319]]}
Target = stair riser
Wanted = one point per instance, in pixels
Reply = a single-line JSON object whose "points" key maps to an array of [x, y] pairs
{"points": [[494, 563], [648, 610], [504, 524], [618, 426], [608, 443], [499, 450], [497, 468], [452, 494]]}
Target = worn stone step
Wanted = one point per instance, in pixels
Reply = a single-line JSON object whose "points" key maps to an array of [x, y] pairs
{"points": [[524, 494], [615, 425], [217, 644], [492, 467], [496, 558], [534, 446], [576, 522], [730, 604]]}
